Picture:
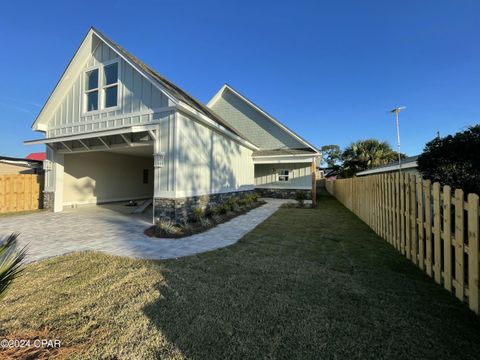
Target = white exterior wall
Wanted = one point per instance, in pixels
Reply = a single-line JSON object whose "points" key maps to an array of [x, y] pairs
{"points": [[139, 102], [208, 162], [96, 177], [300, 176]]}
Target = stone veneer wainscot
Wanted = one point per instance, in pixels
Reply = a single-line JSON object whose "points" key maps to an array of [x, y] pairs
{"points": [[182, 209]]}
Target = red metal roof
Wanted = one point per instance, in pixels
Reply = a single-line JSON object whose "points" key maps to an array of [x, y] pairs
{"points": [[36, 156]]}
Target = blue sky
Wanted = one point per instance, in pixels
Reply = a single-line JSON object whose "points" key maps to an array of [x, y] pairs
{"points": [[329, 70]]}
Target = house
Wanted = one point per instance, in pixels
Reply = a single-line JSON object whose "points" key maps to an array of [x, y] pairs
{"points": [[37, 156], [12, 166], [409, 166], [116, 130]]}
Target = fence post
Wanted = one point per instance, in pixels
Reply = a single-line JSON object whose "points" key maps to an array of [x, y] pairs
{"points": [[437, 241], [420, 224], [473, 249], [428, 226], [408, 249], [459, 219], [413, 219], [447, 238]]}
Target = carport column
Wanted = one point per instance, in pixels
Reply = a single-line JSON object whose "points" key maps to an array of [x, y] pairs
{"points": [[158, 163], [57, 167]]}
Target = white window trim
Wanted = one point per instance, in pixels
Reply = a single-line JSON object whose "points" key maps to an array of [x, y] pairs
{"points": [[85, 91], [279, 171], [101, 88]]}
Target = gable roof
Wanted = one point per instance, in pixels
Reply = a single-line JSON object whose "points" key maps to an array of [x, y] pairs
{"points": [[170, 89], [307, 146]]}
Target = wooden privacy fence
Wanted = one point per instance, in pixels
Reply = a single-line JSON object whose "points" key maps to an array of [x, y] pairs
{"points": [[431, 225], [20, 192]]}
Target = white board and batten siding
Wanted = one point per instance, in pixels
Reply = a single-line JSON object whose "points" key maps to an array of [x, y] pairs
{"points": [[299, 177], [139, 102], [208, 162]]}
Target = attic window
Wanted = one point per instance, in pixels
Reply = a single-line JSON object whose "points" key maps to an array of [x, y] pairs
{"points": [[91, 90], [110, 85], [101, 87]]}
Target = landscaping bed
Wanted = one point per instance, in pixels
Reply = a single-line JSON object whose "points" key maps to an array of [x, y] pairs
{"points": [[205, 218]]}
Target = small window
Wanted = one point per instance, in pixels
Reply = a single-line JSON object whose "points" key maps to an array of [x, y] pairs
{"points": [[110, 85], [91, 90], [92, 101], [145, 176], [283, 175], [111, 96], [91, 80], [111, 74]]}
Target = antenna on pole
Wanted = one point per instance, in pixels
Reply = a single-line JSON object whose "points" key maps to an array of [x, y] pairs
{"points": [[396, 111]]}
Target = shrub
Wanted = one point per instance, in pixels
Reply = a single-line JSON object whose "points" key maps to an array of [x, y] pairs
{"points": [[255, 197], [301, 196], [205, 222], [454, 160], [167, 226], [216, 210], [198, 213], [10, 261], [232, 204], [242, 201]]}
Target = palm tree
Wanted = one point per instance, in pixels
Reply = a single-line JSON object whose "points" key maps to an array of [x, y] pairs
{"points": [[366, 154], [10, 261]]}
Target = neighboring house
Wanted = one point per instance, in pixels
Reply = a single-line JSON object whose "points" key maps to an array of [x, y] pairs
{"points": [[13, 166], [116, 130], [409, 166], [37, 156], [327, 172]]}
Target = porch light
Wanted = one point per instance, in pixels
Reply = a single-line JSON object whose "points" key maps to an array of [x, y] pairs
{"points": [[158, 160]]}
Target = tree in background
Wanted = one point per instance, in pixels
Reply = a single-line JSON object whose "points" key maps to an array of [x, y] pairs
{"points": [[332, 155], [366, 154], [454, 160]]}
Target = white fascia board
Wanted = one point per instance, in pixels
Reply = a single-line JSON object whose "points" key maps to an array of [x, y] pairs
{"points": [[409, 165], [264, 113], [181, 106], [217, 96], [283, 160], [124, 130], [291, 155]]}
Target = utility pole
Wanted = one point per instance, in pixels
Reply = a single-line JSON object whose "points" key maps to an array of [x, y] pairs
{"points": [[396, 111]]}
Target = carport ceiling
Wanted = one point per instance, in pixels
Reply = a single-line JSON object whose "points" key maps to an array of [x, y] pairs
{"points": [[144, 151]]}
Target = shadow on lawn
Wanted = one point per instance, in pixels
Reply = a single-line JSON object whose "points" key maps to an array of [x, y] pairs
{"points": [[309, 284]]}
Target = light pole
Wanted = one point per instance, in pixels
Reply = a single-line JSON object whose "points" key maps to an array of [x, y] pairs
{"points": [[396, 111]]}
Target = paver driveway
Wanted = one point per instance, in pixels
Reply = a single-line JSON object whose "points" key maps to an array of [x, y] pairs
{"points": [[100, 228]]}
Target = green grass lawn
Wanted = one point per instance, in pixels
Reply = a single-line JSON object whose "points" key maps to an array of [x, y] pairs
{"points": [[306, 284]]}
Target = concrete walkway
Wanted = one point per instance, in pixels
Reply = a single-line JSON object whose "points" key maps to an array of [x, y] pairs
{"points": [[100, 228]]}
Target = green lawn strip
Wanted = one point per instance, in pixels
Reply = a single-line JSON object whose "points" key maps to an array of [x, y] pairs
{"points": [[306, 283]]}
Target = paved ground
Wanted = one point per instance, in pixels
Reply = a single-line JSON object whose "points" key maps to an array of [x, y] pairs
{"points": [[105, 229]]}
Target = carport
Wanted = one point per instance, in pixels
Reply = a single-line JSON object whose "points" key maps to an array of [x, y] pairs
{"points": [[100, 167]]}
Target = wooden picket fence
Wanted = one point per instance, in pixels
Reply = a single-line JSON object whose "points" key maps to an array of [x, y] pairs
{"points": [[438, 232], [20, 192]]}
